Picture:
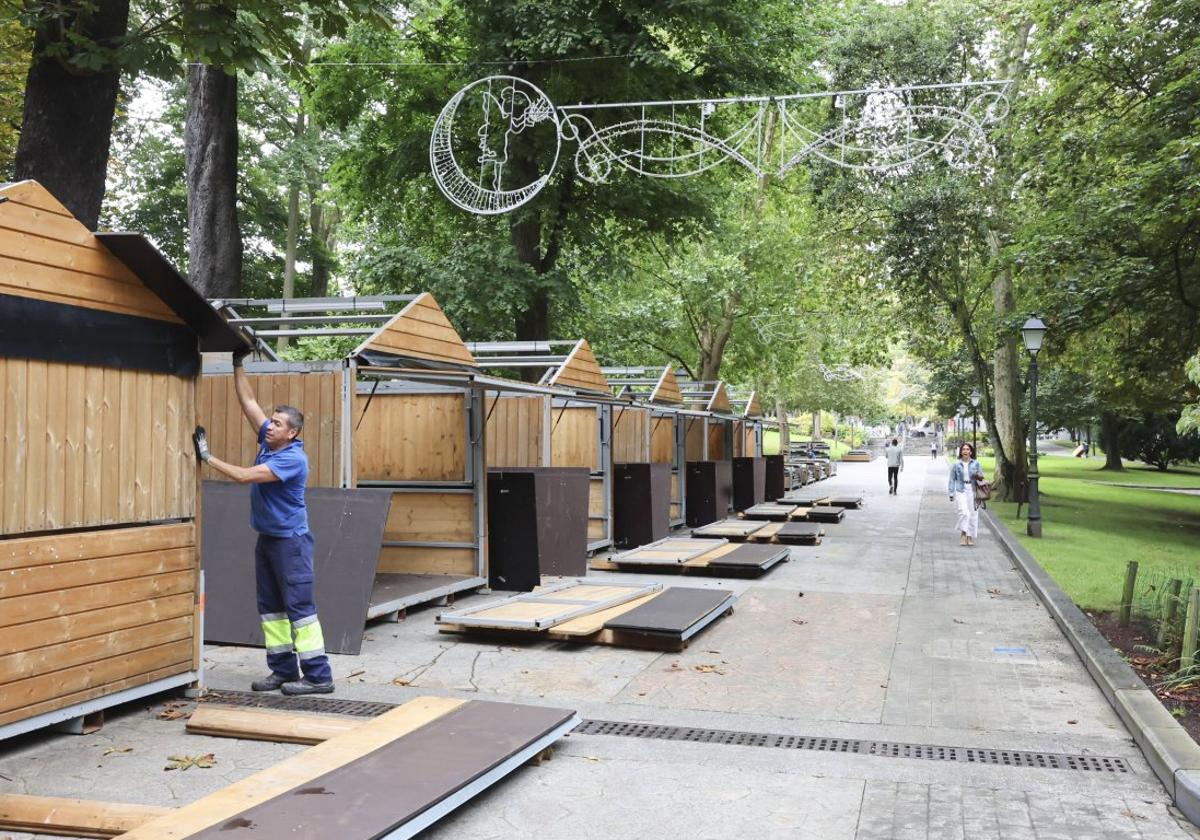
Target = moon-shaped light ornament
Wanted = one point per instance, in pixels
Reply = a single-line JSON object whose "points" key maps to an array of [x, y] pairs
{"points": [[488, 144]]}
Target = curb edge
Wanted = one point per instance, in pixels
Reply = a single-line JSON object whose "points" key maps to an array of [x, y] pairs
{"points": [[1172, 754]]}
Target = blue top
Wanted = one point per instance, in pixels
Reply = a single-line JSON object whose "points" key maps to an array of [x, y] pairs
{"points": [[277, 507], [958, 477]]}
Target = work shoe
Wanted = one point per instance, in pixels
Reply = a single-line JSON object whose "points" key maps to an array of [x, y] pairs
{"points": [[271, 682], [305, 686]]}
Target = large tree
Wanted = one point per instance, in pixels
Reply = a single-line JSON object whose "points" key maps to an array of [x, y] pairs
{"points": [[575, 50], [70, 95]]}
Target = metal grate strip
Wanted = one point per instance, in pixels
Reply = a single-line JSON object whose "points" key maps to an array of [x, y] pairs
{"points": [[888, 749], [856, 746]]}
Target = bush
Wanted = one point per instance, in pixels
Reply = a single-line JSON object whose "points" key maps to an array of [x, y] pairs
{"points": [[1155, 440]]}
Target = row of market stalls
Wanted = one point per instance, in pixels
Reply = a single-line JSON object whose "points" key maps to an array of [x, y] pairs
{"points": [[501, 461]]}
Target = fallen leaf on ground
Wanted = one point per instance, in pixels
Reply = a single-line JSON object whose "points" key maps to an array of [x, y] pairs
{"points": [[118, 750], [183, 762], [356, 673], [959, 621], [709, 669], [799, 621], [1132, 815], [399, 681], [589, 758], [993, 591], [173, 711], [1072, 722], [713, 652]]}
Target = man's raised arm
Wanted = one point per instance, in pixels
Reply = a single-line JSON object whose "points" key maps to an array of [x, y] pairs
{"points": [[245, 392]]}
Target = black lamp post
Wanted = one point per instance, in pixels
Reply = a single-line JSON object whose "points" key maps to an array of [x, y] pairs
{"points": [[1032, 334], [975, 398]]}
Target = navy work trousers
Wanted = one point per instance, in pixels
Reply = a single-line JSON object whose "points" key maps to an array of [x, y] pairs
{"points": [[283, 569]]}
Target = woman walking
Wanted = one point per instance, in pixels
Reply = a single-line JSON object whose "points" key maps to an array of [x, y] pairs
{"points": [[963, 475]]}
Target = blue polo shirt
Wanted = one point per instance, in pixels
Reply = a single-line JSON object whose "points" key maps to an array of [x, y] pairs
{"points": [[277, 507]]}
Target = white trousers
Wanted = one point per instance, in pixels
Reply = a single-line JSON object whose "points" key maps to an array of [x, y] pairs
{"points": [[968, 515]]}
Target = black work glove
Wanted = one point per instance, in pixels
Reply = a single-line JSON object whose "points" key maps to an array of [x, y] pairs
{"points": [[241, 353], [200, 441]]}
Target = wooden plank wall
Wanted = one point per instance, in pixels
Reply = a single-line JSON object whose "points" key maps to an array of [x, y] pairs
{"points": [[749, 441], [514, 431], [597, 525], [575, 437], [662, 451], [429, 517], [83, 446], [317, 395], [629, 435], [716, 441], [411, 437], [45, 253], [694, 438], [88, 614]]}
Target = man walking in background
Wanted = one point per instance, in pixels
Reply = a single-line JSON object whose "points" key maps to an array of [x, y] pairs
{"points": [[895, 462], [284, 552]]}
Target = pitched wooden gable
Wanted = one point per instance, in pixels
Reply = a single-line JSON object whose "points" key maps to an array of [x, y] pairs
{"points": [[719, 401], [667, 389], [47, 254], [420, 331], [582, 371], [753, 406]]}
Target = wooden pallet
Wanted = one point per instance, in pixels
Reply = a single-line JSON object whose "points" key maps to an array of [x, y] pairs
{"points": [[734, 530]]}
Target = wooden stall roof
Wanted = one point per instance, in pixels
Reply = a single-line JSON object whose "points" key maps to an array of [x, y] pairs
{"points": [[52, 256], [667, 389], [420, 333], [753, 407], [719, 401], [581, 370]]}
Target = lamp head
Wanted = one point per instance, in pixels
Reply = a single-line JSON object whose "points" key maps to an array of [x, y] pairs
{"points": [[1032, 333], [976, 397]]}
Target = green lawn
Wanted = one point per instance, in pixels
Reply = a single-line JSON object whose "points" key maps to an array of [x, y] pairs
{"points": [[1091, 528]]}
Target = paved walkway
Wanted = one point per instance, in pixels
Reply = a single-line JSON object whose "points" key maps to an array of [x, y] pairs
{"points": [[889, 631]]}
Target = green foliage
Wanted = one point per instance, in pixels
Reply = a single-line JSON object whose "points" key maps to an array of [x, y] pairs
{"points": [[15, 44], [1153, 438]]}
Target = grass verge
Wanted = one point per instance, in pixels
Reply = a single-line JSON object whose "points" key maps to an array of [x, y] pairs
{"points": [[1092, 526]]}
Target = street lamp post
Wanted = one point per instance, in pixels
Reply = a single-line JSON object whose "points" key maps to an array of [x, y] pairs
{"points": [[975, 398], [1032, 333]]}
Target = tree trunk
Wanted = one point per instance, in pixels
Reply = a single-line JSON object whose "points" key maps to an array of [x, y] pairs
{"points": [[1012, 467], [785, 431], [1110, 439], [66, 128], [816, 430], [289, 252], [210, 146]]}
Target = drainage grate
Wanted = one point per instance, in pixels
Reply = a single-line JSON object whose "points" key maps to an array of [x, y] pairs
{"points": [[887, 749], [928, 752], [319, 705]]}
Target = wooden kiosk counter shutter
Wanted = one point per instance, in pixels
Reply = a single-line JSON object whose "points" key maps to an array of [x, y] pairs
{"points": [[99, 362]]}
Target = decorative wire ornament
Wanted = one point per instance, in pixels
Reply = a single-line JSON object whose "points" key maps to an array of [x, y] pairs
{"points": [[839, 373], [497, 141]]}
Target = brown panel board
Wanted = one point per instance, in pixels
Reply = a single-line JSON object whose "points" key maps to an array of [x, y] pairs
{"points": [[799, 532], [825, 513], [672, 612], [397, 782], [750, 556], [347, 526]]}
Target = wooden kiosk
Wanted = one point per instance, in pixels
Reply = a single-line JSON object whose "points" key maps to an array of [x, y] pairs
{"points": [[562, 421], [100, 587], [749, 465], [648, 453], [375, 422]]}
